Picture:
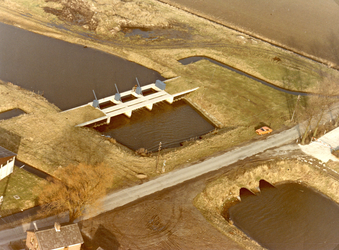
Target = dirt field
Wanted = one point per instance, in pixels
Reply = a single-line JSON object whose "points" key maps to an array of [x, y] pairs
{"points": [[307, 27], [167, 220]]}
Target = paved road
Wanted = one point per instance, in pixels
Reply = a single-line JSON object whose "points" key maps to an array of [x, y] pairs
{"points": [[125, 196], [173, 178], [13, 218]]}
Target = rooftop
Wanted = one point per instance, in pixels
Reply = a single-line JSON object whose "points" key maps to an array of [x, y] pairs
{"points": [[4, 153], [67, 236]]}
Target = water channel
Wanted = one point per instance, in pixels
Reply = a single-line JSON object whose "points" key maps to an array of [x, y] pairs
{"points": [[288, 216], [11, 113], [193, 59], [67, 73]]}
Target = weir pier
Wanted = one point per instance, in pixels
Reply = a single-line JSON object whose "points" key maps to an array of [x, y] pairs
{"points": [[145, 96]]}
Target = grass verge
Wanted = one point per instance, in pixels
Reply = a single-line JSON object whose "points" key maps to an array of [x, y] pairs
{"points": [[20, 184]]}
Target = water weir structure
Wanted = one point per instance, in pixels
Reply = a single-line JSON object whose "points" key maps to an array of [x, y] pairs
{"points": [[118, 107]]}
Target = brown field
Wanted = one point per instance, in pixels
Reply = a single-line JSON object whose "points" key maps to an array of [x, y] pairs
{"points": [[167, 220], [309, 27]]}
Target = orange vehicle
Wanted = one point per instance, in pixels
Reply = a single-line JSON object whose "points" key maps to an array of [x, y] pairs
{"points": [[264, 130]]}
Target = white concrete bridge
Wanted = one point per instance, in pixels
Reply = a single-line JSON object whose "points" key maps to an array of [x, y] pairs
{"points": [[118, 107]]}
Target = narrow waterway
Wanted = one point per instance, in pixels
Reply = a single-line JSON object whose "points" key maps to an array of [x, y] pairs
{"points": [[11, 113], [193, 59], [288, 216], [307, 26]]}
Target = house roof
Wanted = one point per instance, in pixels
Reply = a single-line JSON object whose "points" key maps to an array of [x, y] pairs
{"points": [[51, 239], [4, 153]]}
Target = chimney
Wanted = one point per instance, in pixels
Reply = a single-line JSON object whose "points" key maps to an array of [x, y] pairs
{"points": [[35, 226], [57, 226]]}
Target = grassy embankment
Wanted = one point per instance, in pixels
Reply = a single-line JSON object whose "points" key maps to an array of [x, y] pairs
{"points": [[48, 139], [223, 192]]}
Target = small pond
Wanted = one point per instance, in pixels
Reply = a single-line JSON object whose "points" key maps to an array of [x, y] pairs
{"points": [[288, 216], [11, 113], [169, 124]]}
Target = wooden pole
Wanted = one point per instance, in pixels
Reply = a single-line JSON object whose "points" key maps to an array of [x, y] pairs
{"points": [[157, 161], [295, 107]]}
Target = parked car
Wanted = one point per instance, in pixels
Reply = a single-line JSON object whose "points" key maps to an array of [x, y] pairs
{"points": [[264, 130]]}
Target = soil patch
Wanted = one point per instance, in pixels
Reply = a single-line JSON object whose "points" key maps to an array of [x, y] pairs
{"points": [[74, 11], [167, 220]]}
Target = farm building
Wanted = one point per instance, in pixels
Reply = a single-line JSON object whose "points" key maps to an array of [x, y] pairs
{"points": [[55, 238], [7, 159]]}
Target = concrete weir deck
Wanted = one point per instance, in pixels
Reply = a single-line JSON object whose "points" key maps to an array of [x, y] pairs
{"points": [[119, 107]]}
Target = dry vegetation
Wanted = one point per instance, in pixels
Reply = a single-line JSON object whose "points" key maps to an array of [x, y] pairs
{"points": [[86, 185], [47, 139], [223, 192]]}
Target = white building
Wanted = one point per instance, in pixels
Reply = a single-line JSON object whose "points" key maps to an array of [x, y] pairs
{"points": [[7, 159]]}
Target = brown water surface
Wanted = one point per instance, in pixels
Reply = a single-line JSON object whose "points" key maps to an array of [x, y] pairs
{"points": [[168, 124], [11, 113], [289, 216], [65, 73]]}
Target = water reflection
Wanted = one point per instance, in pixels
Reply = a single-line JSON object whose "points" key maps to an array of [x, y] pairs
{"points": [[62, 72], [168, 124], [289, 216], [11, 113]]}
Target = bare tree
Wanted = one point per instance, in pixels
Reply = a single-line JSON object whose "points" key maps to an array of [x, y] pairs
{"points": [[76, 187], [328, 95], [308, 113], [325, 96]]}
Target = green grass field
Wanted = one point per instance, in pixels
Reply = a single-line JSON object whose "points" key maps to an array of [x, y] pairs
{"points": [[22, 184]]}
